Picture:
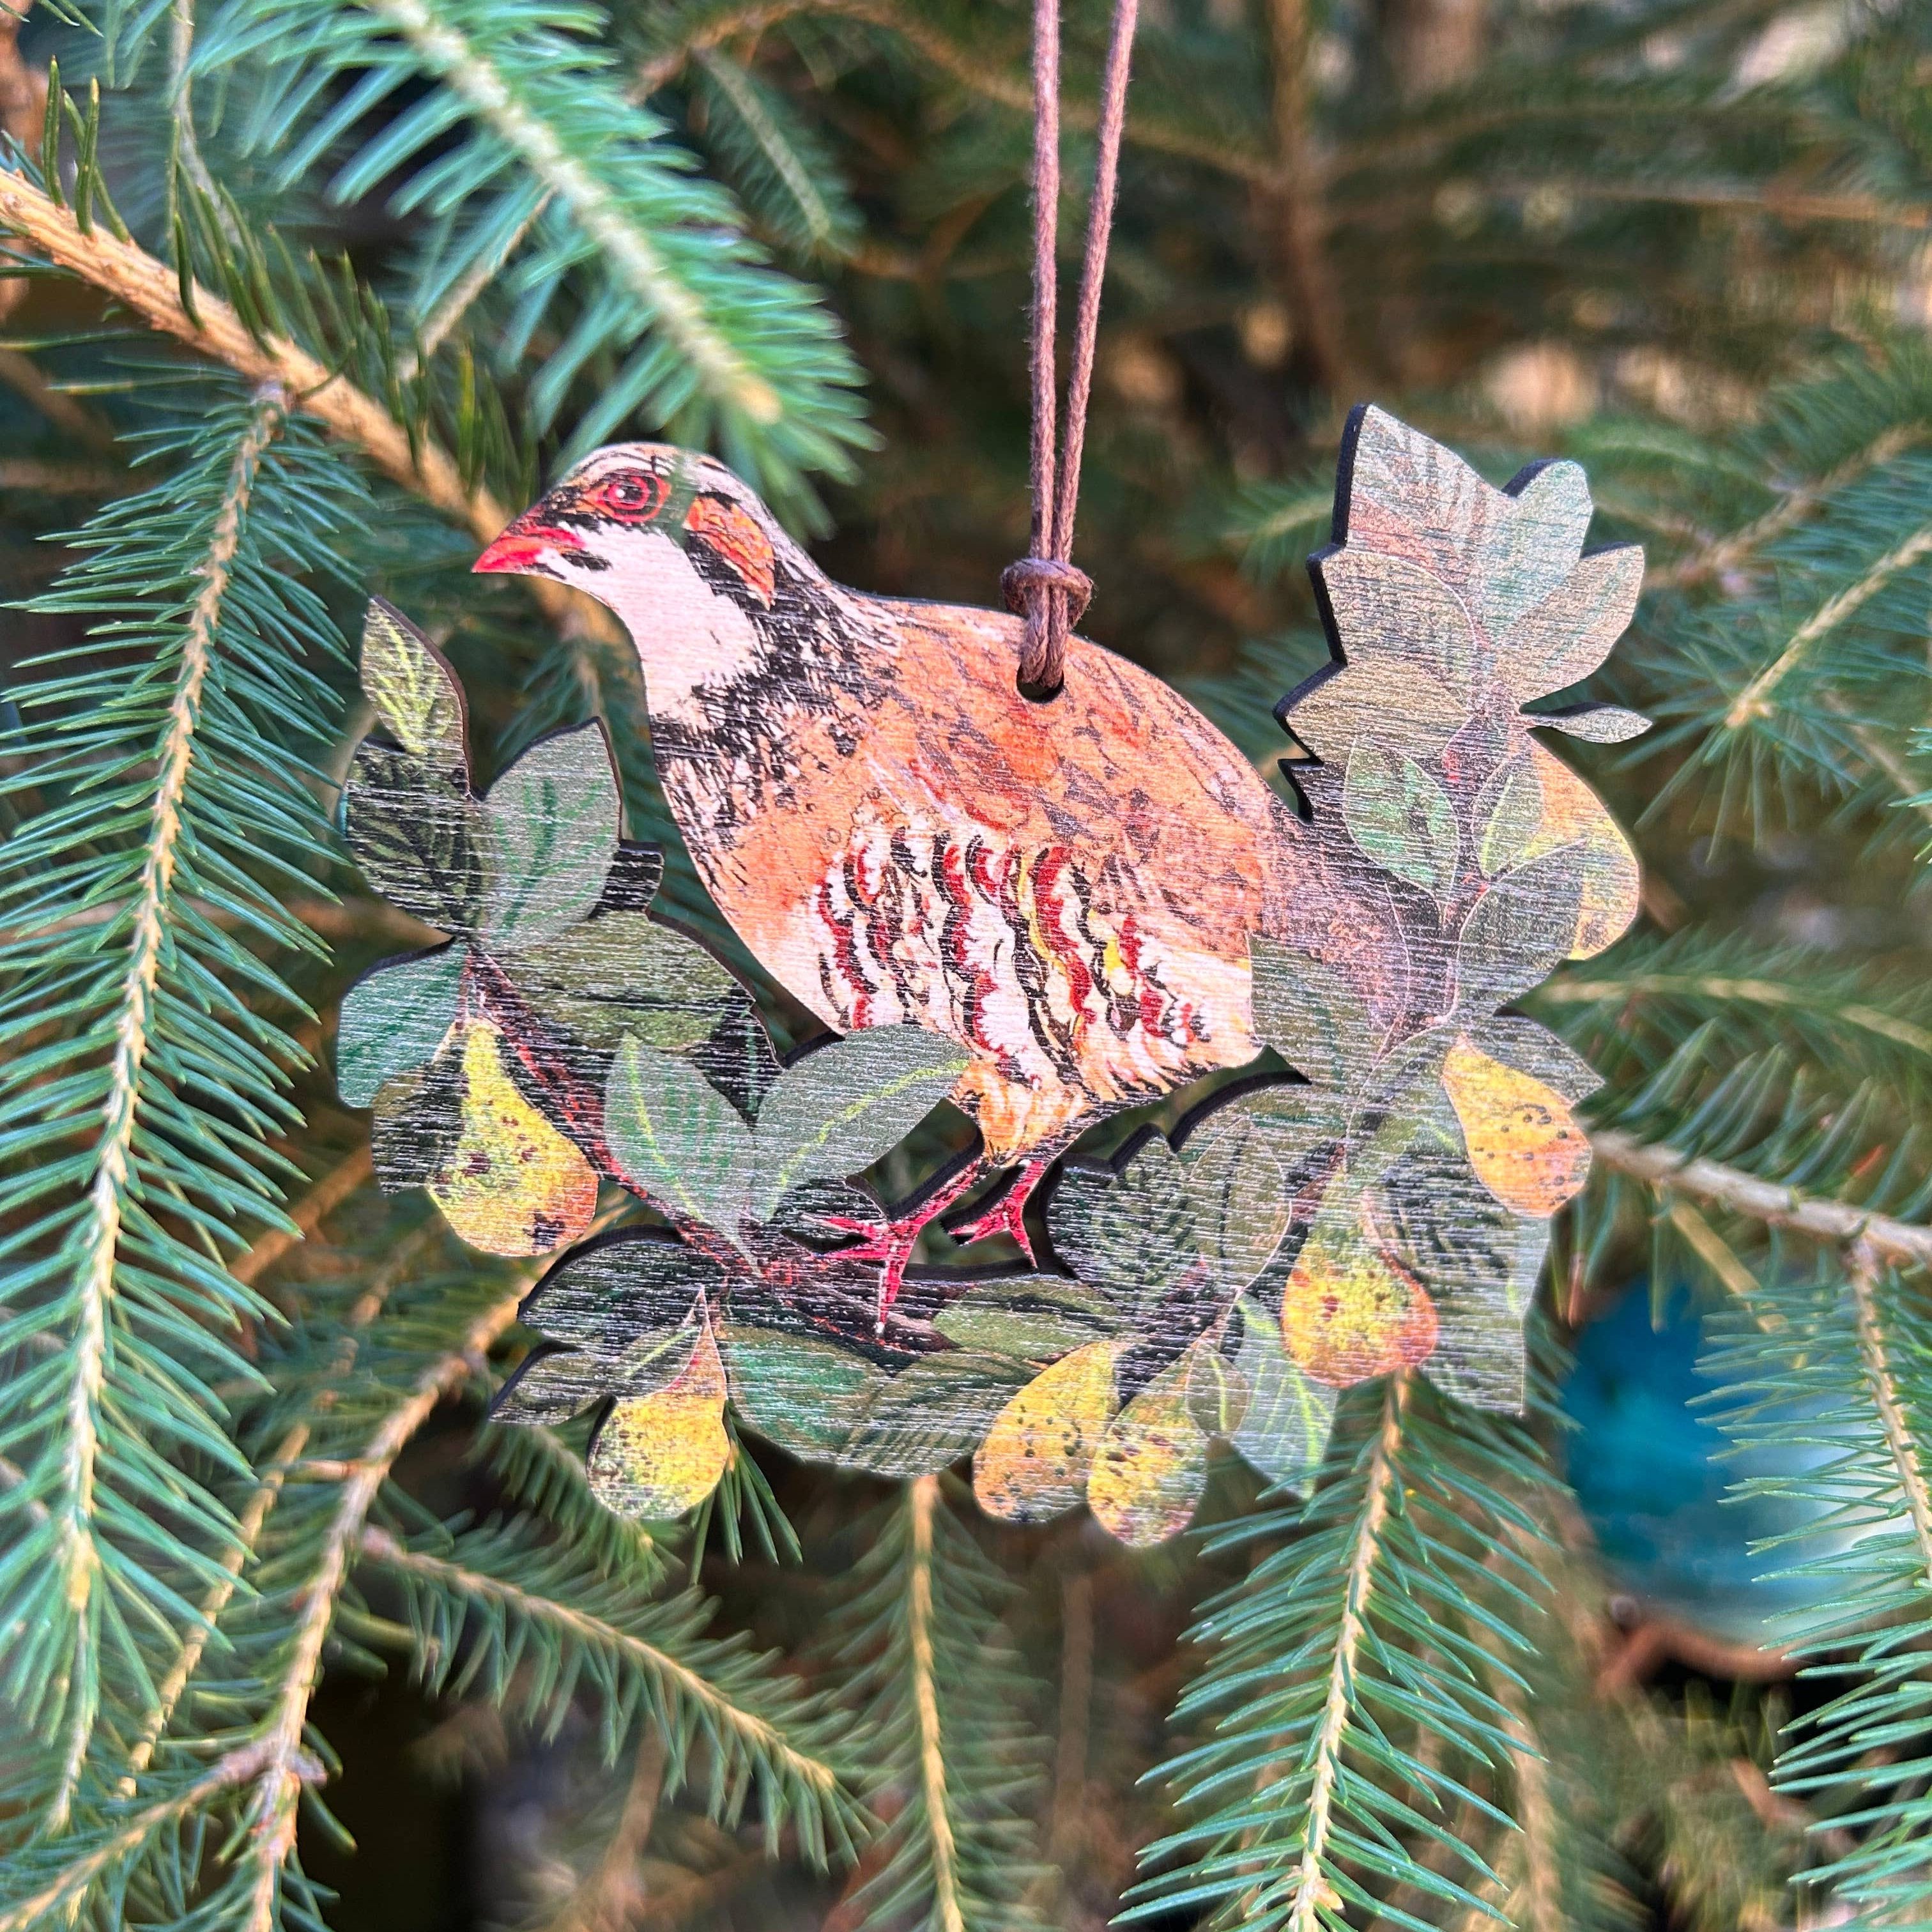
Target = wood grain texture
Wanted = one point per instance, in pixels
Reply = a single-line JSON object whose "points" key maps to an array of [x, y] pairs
{"points": [[1049, 912]]}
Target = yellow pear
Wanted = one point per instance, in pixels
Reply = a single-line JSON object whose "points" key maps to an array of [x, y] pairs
{"points": [[1523, 1141], [1035, 1459], [1152, 1464], [1351, 1311], [659, 1455], [512, 1184]]}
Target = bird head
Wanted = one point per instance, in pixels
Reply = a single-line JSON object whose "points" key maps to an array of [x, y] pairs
{"points": [[650, 530]]}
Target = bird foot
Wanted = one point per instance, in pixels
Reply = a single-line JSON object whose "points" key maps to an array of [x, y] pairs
{"points": [[892, 1243], [1007, 1215]]}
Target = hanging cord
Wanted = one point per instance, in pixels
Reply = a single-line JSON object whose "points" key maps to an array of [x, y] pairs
{"points": [[1045, 587]]}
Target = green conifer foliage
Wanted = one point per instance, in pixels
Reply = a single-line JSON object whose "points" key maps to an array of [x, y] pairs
{"points": [[304, 299]]}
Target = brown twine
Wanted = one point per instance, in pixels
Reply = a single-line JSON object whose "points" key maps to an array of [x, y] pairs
{"points": [[1046, 587]]}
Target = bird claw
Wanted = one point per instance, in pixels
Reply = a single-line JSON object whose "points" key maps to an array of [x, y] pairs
{"points": [[891, 1244], [1007, 1216]]}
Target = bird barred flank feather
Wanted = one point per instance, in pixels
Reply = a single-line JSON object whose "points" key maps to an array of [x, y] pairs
{"points": [[1068, 1005], [1048, 912]]}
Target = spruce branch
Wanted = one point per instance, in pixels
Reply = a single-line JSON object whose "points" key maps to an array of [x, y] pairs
{"points": [[487, 1602], [1704, 976], [718, 364], [1836, 1361], [1754, 701], [286, 1459], [1349, 1737], [921, 1501], [201, 319], [705, 29], [286, 1767], [633, 288], [1876, 1349], [1834, 1222], [442, 321], [1714, 559], [81, 1869], [1309, 1888], [546, 1475], [145, 1088], [957, 1764], [347, 1176], [98, 1238]]}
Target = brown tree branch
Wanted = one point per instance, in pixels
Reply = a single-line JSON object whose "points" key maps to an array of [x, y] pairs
{"points": [[1300, 223], [151, 290], [1820, 1218]]}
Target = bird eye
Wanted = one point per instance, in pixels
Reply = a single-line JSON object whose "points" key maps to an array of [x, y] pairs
{"points": [[634, 497]]}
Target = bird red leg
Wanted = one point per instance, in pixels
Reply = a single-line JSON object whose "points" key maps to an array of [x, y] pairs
{"points": [[891, 1243], [1007, 1214]]}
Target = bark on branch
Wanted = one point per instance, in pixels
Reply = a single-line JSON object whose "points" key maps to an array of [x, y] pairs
{"points": [[1822, 1219], [151, 290]]}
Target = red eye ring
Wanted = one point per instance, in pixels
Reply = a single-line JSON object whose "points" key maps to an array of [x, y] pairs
{"points": [[632, 496]]}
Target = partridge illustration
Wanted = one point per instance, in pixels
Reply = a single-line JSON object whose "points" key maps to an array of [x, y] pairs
{"points": [[1066, 888]]}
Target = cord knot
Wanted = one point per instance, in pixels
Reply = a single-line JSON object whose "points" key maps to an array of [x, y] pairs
{"points": [[1018, 581], [1051, 594]]}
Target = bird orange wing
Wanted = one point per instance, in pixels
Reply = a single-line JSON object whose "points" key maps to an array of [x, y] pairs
{"points": [[1066, 887]]}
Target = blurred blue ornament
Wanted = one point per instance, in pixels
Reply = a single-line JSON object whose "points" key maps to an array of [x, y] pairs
{"points": [[1652, 1472]]}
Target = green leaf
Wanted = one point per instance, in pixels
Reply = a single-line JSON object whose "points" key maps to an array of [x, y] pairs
{"points": [[1598, 724], [1400, 817], [1536, 1050], [1218, 1393], [1509, 815], [614, 1312], [549, 1385], [931, 1413], [416, 836], [394, 1018], [796, 1391], [1310, 1015], [623, 973], [1520, 928], [1243, 1165], [841, 1108], [1034, 1318], [1128, 1233], [815, 1398], [550, 825], [1284, 1431], [413, 690], [418, 1119], [1479, 1263], [1569, 633], [1391, 609], [676, 1137], [1526, 551]]}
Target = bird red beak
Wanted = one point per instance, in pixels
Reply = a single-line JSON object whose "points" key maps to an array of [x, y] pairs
{"points": [[520, 550]]}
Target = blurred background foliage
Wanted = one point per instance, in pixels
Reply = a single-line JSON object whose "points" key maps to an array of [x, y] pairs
{"points": [[308, 295]]}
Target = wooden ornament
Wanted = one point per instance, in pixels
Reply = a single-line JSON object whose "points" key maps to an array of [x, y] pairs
{"points": [[1046, 912]]}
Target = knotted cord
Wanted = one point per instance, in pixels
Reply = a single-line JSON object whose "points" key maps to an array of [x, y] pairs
{"points": [[1045, 586]]}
